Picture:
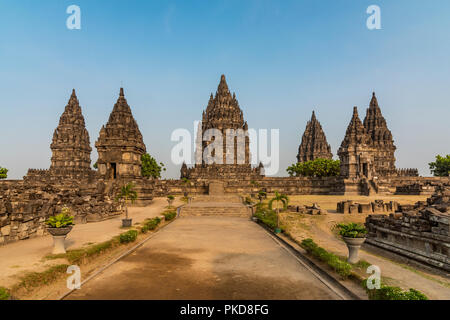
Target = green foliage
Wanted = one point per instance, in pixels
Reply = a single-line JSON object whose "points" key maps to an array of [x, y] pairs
{"points": [[3, 173], [279, 198], [315, 168], [151, 168], [38, 279], [268, 217], [171, 197], [62, 220], [248, 201], [4, 293], [352, 230], [441, 167], [262, 195], [150, 224], [129, 236], [170, 215], [342, 267], [127, 193], [95, 165], [393, 293]]}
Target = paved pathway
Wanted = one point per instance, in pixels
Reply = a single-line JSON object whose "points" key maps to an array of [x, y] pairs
{"points": [[207, 258]]}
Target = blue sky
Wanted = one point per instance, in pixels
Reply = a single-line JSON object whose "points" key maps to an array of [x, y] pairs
{"points": [[282, 58]]}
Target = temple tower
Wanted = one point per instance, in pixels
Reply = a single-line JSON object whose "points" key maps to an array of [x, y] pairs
{"points": [[356, 152], [314, 143], [71, 149], [120, 144], [376, 127], [222, 115]]}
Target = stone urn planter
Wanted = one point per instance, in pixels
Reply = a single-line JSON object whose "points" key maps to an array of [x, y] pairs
{"points": [[353, 245], [59, 236], [126, 223]]}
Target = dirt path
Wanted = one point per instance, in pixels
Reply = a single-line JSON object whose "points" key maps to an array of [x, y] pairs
{"points": [[207, 258], [27, 255]]}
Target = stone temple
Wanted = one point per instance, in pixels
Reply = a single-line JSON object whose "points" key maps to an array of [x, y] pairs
{"points": [[120, 145], [366, 154], [223, 114], [314, 142]]}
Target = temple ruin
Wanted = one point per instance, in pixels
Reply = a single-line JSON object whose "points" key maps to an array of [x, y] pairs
{"points": [[314, 143]]}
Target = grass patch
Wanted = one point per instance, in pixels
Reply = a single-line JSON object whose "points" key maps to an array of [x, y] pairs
{"points": [[4, 294], [37, 279], [393, 293], [342, 267], [267, 216]]}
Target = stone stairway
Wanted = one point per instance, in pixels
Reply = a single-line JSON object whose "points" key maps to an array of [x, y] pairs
{"points": [[216, 204]]}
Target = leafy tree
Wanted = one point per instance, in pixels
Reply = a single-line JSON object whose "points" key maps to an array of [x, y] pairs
{"points": [[95, 165], [170, 199], [441, 167], [262, 195], [3, 173], [126, 194], [279, 199], [315, 168], [151, 168]]}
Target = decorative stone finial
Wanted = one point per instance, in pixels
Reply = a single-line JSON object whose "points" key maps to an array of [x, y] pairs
{"points": [[121, 93]]}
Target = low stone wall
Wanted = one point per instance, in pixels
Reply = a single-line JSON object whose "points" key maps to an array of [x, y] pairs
{"points": [[421, 233], [377, 206], [25, 206]]}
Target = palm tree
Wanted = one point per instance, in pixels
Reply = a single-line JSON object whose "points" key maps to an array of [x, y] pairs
{"points": [[127, 193], [279, 198]]}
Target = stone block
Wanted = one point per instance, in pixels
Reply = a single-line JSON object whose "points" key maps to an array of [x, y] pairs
{"points": [[365, 208]]}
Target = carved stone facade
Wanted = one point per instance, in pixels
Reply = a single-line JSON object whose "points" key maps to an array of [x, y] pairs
{"points": [[420, 233], [314, 143], [120, 145], [356, 151], [223, 118], [382, 141], [71, 149]]}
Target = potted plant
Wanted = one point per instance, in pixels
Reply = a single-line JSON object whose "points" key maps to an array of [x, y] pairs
{"points": [[278, 199], [59, 226], [170, 199], [126, 194], [354, 236]]}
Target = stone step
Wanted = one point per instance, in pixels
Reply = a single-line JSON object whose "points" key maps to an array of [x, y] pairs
{"points": [[240, 211], [220, 199]]}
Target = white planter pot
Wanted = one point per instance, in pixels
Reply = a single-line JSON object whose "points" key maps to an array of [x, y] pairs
{"points": [[353, 245], [59, 237]]}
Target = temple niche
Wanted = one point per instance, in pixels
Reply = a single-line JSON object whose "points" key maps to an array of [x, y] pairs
{"points": [[120, 145], [314, 143], [223, 115], [356, 152]]}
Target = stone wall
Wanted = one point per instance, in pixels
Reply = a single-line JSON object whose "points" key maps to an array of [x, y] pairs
{"points": [[25, 206], [421, 233]]}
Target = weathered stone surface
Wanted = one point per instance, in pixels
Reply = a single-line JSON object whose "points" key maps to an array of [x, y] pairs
{"points": [[120, 145], [314, 143], [418, 232]]}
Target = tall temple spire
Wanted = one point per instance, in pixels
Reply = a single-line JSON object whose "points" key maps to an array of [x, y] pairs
{"points": [[356, 151], [314, 143], [120, 144], [376, 127], [71, 149]]}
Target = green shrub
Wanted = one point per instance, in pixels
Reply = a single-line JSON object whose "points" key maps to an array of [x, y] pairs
{"points": [[4, 294], [343, 268], [315, 168], [129, 236], [352, 230], [170, 215], [268, 217], [3, 173], [62, 220], [393, 293], [150, 224]]}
